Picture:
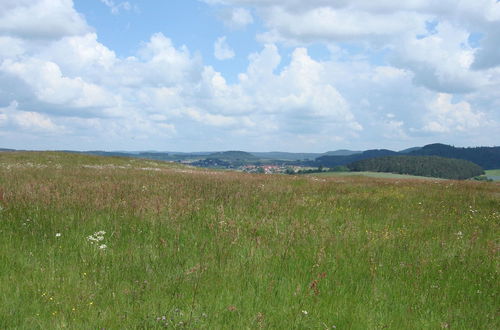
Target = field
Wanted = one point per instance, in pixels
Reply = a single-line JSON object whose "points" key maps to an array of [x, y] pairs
{"points": [[493, 174], [95, 242]]}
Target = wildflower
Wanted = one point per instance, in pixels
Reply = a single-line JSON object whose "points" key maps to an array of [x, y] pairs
{"points": [[305, 312], [96, 237], [459, 235], [102, 246], [58, 234]]}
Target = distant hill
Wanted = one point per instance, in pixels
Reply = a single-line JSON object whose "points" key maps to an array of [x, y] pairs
{"points": [[332, 161], [232, 155], [294, 156], [407, 151], [341, 152], [431, 166], [291, 156], [486, 157]]}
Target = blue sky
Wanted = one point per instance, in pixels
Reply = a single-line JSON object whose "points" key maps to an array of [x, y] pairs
{"points": [[255, 75]]}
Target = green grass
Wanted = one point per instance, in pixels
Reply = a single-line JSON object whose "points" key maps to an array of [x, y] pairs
{"points": [[188, 248], [493, 174]]}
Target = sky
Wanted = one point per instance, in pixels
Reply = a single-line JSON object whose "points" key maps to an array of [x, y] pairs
{"points": [[253, 75]]}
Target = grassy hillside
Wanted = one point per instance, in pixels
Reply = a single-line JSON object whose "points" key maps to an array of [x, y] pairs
{"points": [[95, 242]]}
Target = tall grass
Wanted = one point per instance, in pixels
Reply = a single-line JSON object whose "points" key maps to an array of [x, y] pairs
{"points": [[187, 248]]}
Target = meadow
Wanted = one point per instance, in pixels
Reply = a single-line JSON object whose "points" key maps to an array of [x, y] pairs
{"points": [[116, 243], [493, 174]]}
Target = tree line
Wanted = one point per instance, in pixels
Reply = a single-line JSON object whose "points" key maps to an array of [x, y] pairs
{"points": [[431, 166]]}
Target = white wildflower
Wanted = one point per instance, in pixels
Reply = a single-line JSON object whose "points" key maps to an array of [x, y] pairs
{"points": [[103, 246], [305, 312], [97, 237], [58, 234], [459, 235]]}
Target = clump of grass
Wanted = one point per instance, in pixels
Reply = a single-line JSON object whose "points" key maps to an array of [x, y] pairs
{"points": [[189, 248]]}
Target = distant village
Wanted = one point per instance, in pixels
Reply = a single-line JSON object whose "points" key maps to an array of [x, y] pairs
{"points": [[271, 169], [249, 168]]}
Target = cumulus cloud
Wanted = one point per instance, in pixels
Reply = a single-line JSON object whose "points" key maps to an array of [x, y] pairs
{"points": [[57, 78], [41, 19], [445, 116], [13, 118], [329, 24], [222, 50], [488, 56], [236, 18], [440, 61], [402, 27], [49, 85]]}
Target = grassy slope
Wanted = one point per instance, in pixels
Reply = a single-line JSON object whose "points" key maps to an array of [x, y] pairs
{"points": [[202, 249]]}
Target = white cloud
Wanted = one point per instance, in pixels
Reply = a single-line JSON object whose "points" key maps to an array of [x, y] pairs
{"points": [[241, 17], [80, 55], [116, 7], [161, 63], [13, 118], [10, 47], [399, 26], [210, 119], [66, 82], [488, 56], [440, 61], [330, 24], [40, 19], [50, 86], [299, 98], [222, 50], [236, 18], [445, 116]]}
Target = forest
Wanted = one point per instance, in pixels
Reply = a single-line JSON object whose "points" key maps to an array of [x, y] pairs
{"points": [[431, 166]]}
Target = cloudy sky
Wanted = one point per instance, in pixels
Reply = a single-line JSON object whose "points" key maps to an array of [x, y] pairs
{"points": [[254, 75]]}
